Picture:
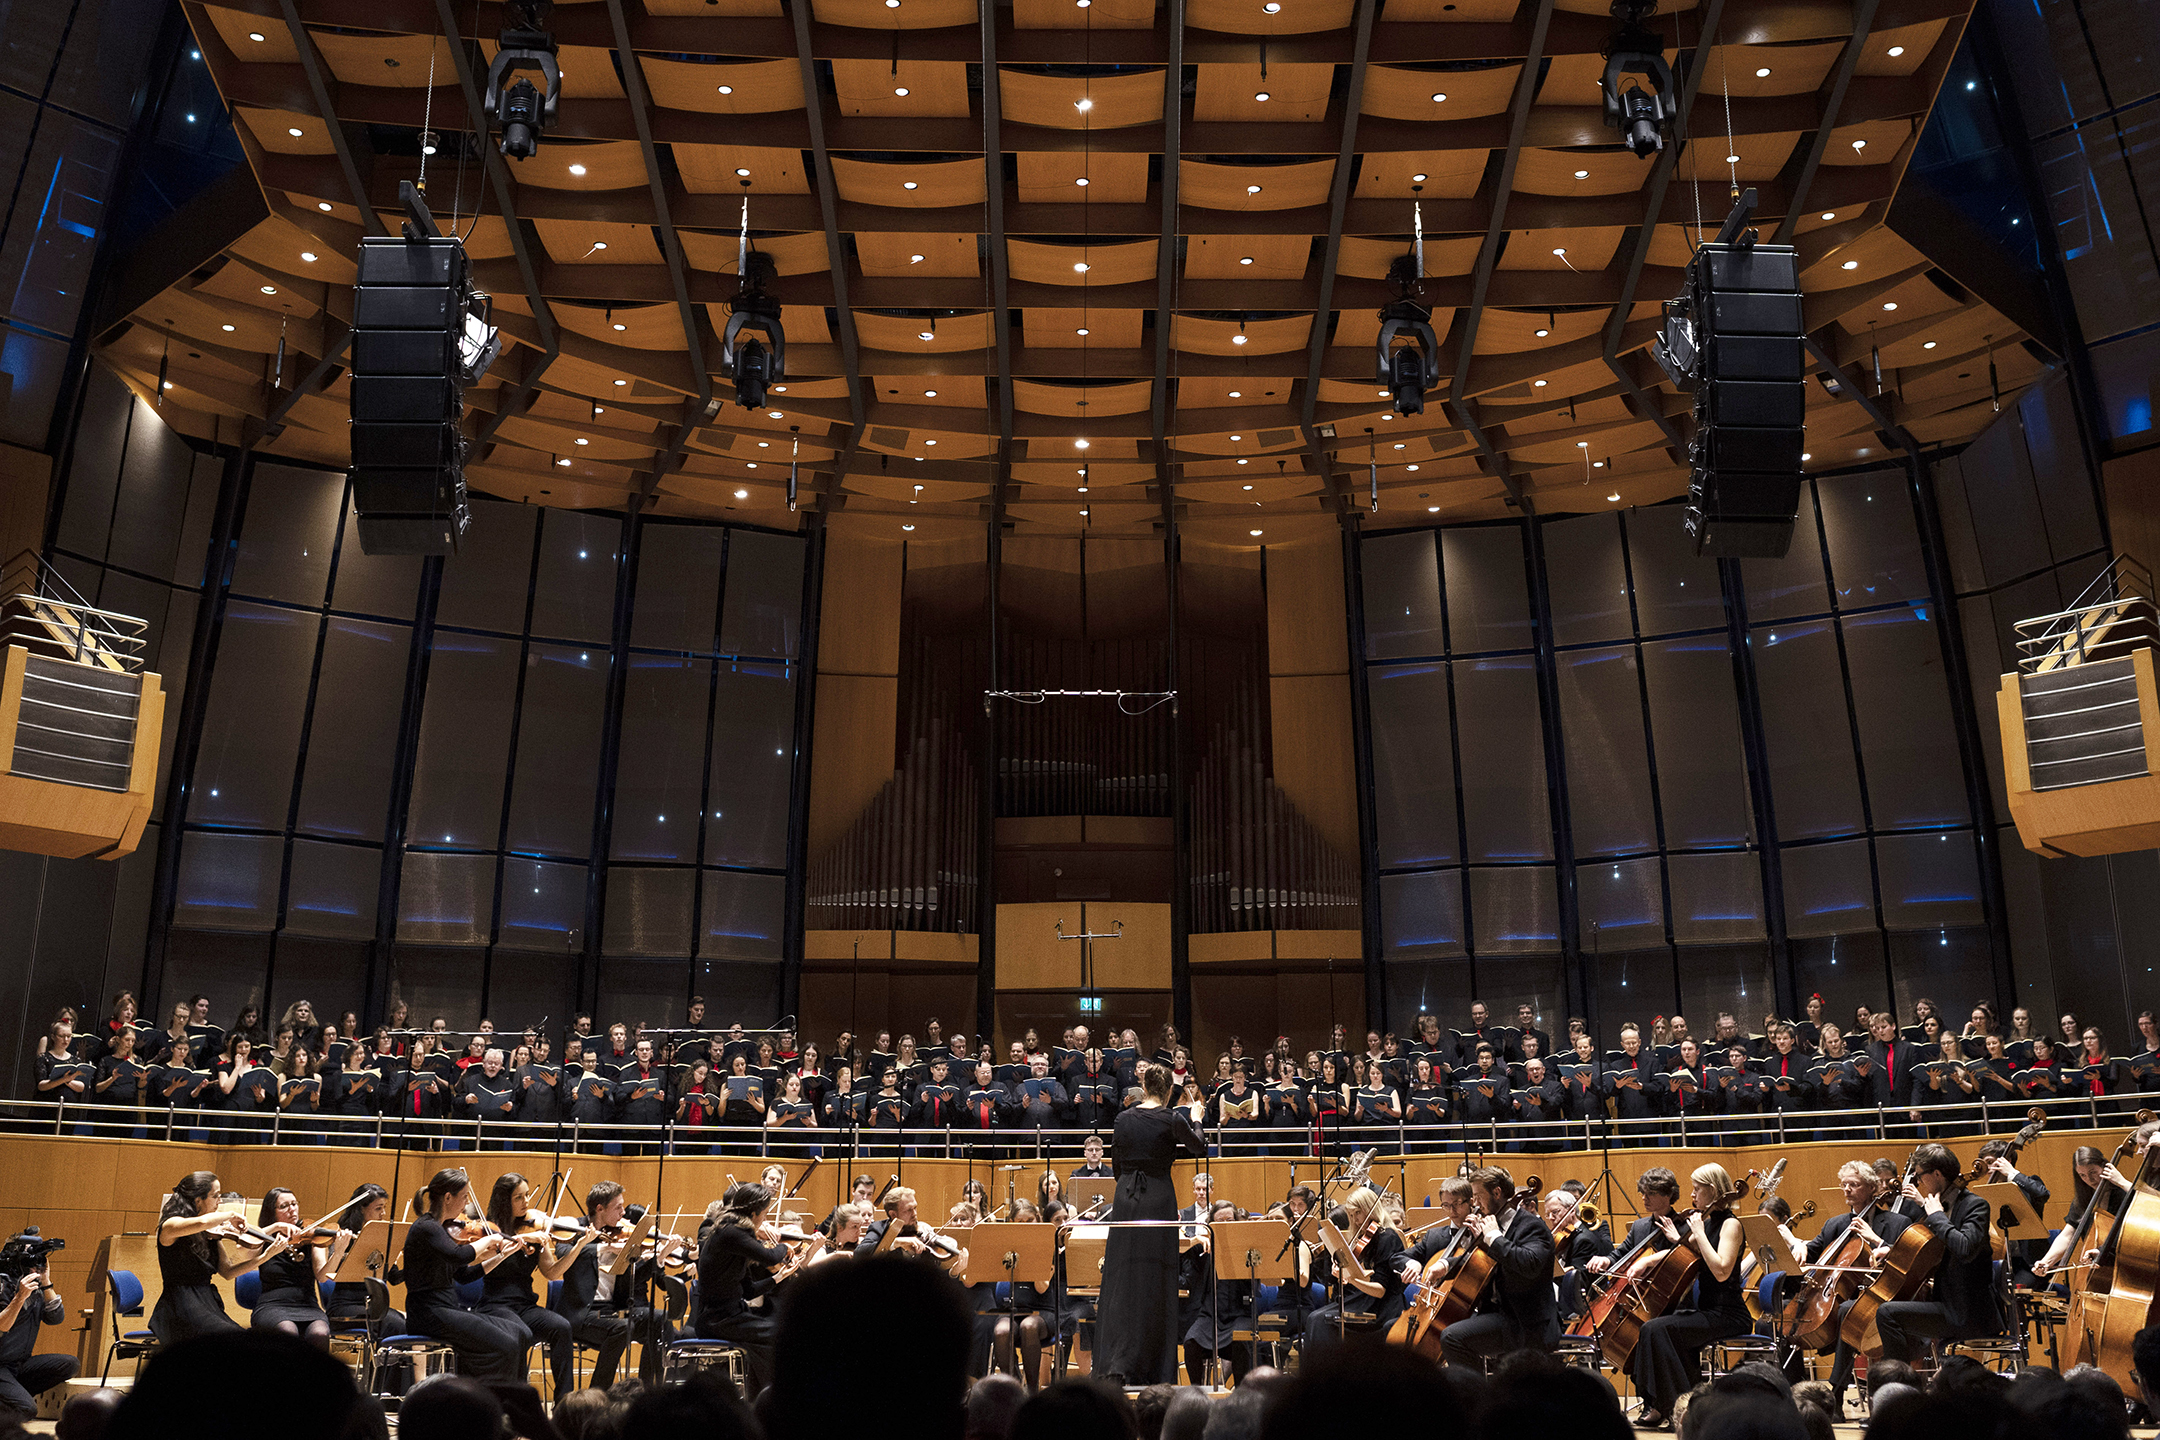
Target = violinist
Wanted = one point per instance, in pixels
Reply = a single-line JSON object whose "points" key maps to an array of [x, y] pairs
{"points": [[735, 1264], [603, 1309], [507, 1290], [1667, 1359], [1518, 1309], [1379, 1247], [370, 1205], [291, 1298], [488, 1347], [1966, 1304], [190, 1227]]}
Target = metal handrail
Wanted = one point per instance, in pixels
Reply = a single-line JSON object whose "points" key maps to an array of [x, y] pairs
{"points": [[93, 631], [2123, 585]]}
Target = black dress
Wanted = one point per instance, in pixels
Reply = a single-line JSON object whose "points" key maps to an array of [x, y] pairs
{"points": [[734, 1266], [1138, 1313], [489, 1347], [1667, 1360], [190, 1304], [288, 1291]]}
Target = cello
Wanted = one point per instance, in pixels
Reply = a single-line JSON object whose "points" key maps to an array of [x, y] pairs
{"points": [[1912, 1259], [1810, 1318], [1669, 1275], [1440, 1304]]}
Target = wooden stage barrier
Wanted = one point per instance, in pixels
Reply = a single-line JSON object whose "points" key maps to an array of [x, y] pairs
{"points": [[102, 1196]]}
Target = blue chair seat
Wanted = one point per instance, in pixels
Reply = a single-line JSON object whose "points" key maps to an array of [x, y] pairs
{"points": [[247, 1288]]}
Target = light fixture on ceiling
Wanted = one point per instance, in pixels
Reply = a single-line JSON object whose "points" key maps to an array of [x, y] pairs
{"points": [[764, 444], [1080, 444], [1850, 265], [1260, 95], [911, 527], [620, 326], [1925, 345], [1432, 509], [1254, 533], [599, 245], [1237, 339], [564, 462], [427, 143], [1597, 464], [1614, 497], [1417, 179], [1895, 51], [295, 131], [1081, 182], [1235, 438], [915, 259], [1246, 487], [1804, 455], [622, 382], [1084, 104], [929, 394], [1732, 159], [323, 205], [1889, 305], [228, 329], [901, 91], [308, 255], [1081, 331], [1560, 251], [1252, 189], [779, 389], [1538, 384], [727, 89], [1763, 73], [773, 415], [256, 36], [577, 169], [1439, 98], [1271, 8], [1829, 214], [1237, 394], [269, 289], [581, 440], [1859, 144], [742, 494], [907, 185], [1546, 329], [929, 442], [1080, 267], [1244, 260], [742, 172], [1582, 174], [1409, 467]]}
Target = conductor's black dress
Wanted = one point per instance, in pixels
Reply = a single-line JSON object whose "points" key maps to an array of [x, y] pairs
{"points": [[1138, 1314]]}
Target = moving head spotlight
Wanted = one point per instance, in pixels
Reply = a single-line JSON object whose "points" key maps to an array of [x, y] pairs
{"points": [[1415, 368], [520, 109], [752, 362], [1643, 117]]}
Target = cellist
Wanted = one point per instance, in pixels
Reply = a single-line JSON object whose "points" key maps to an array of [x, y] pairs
{"points": [[1966, 1304], [1455, 1204], [1518, 1309], [1667, 1361], [1659, 1188], [1882, 1223]]}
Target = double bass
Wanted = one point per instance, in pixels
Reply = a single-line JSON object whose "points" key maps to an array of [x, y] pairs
{"points": [[1468, 1268], [2120, 1301], [1667, 1276], [1912, 1259]]}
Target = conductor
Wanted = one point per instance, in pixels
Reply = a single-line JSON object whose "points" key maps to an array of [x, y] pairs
{"points": [[1139, 1307]]}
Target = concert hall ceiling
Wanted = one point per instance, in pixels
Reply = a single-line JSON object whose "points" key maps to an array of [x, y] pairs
{"points": [[1193, 338]]}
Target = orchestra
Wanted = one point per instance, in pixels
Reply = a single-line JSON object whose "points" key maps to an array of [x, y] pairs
{"points": [[1909, 1259]]}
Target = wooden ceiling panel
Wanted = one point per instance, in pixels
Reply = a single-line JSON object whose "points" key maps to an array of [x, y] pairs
{"points": [[884, 15], [1214, 392], [1117, 263], [1579, 172], [1197, 335], [715, 254], [399, 62], [1091, 402], [751, 87], [1054, 102], [1058, 328], [1393, 92], [587, 165], [900, 89], [627, 327], [1093, 15], [717, 9], [1872, 142], [937, 185], [954, 392], [1450, 255], [1912, 44], [715, 169], [598, 242], [1246, 257], [1588, 248], [253, 39], [1792, 69], [891, 252], [1295, 92], [1448, 174], [286, 132], [904, 334], [1114, 177], [1252, 18], [1294, 186], [588, 71]]}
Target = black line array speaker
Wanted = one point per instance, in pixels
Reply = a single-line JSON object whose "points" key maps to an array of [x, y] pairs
{"points": [[1750, 399], [408, 453]]}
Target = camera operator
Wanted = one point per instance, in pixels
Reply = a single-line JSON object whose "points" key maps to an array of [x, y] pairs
{"points": [[27, 1302]]}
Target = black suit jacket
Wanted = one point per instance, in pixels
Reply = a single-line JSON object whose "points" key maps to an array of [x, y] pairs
{"points": [[1965, 1280], [1900, 1056], [1522, 1288]]}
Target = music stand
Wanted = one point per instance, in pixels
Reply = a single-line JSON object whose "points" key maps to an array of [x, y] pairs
{"points": [[635, 1242], [1019, 1252], [1253, 1252], [1085, 1192], [2010, 1212], [373, 1252]]}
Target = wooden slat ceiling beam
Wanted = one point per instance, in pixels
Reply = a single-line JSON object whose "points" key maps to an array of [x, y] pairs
{"points": [[666, 100]]}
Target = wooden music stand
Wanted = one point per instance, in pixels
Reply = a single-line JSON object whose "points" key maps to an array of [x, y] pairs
{"points": [[381, 1242], [1759, 1233], [1088, 1191], [1254, 1251], [633, 1245], [1347, 1265], [2001, 1195], [1022, 1252]]}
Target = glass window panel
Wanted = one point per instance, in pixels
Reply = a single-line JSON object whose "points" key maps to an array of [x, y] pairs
{"points": [[334, 890], [746, 989], [558, 755], [1401, 575], [2126, 372], [1874, 541], [352, 741], [1632, 986], [659, 777], [1488, 597], [648, 910], [753, 758], [446, 899], [31, 364], [2060, 473], [457, 783], [1413, 765], [1793, 584], [1847, 971], [1421, 916], [1586, 575], [2105, 252], [1908, 740], [655, 993], [92, 480], [286, 534], [528, 982], [228, 882], [1533, 980], [1715, 979], [1695, 728], [57, 214], [762, 613], [1716, 898], [330, 974], [1608, 770], [251, 727], [230, 969], [1439, 988], [1812, 778], [543, 905], [484, 584], [1928, 881], [1675, 589], [437, 981], [574, 598], [1515, 909], [377, 584], [678, 587], [741, 915], [1503, 759], [1985, 668], [1621, 904], [1952, 967], [1959, 537], [1829, 889]]}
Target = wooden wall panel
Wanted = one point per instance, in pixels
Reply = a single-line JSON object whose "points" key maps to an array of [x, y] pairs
{"points": [[851, 756], [1308, 624], [1029, 954], [859, 614], [1140, 959]]}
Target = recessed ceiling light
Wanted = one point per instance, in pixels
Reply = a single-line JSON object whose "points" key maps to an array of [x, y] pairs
{"points": [[1243, 461], [1432, 509], [1081, 182], [295, 131], [1080, 444], [929, 442], [911, 527], [1850, 265], [1763, 73], [743, 171], [256, 36], [1927, 345], [727, 89], [1081, 331], [1247, 487], [1271, 8], [1235, 438], [1859, 144], [1260, 95], [269, 289], [1804, 455], [1889, 304], [1829, 214], [1410, 467], [1582, 174], [577, 169], [914, 259], [900, 90], [1244, 260], [1438, 97], [1615, 496], [228, 329], [620, 326], [1399, 445], [772, 415], [1237, 339], [752, 465], [1597, 464], [1732, 159], [1560, 250], [1084, 104], [599, 244], [581, 440], [323, 205], [1252, 189], [892, 4], [1541, 332], [777, 389], [622, 382], [1252, 532], [1418, 179], [1896, 50], [308, 255], [742, 494], [1537, 384], [1080, 267], [764, 444], [929, 394], [564, 462], [1237, 394], [926, 334], [907, 184]]}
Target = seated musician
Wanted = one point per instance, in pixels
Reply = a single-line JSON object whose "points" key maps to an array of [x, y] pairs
{"points": [[1378, 1245], [1583, 1243], [1658, 1188], [1454, 1204], [1518, 1308], [604, 1309], [1667, 1359], [736, 1259], [1091, 1155], [1966, 1304], [1862, 1187], [2099, 1184], [2002, 1169], [2115, 1195]]}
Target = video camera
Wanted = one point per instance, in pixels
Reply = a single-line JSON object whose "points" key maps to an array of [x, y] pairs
{"points": [[27, 1252]]}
